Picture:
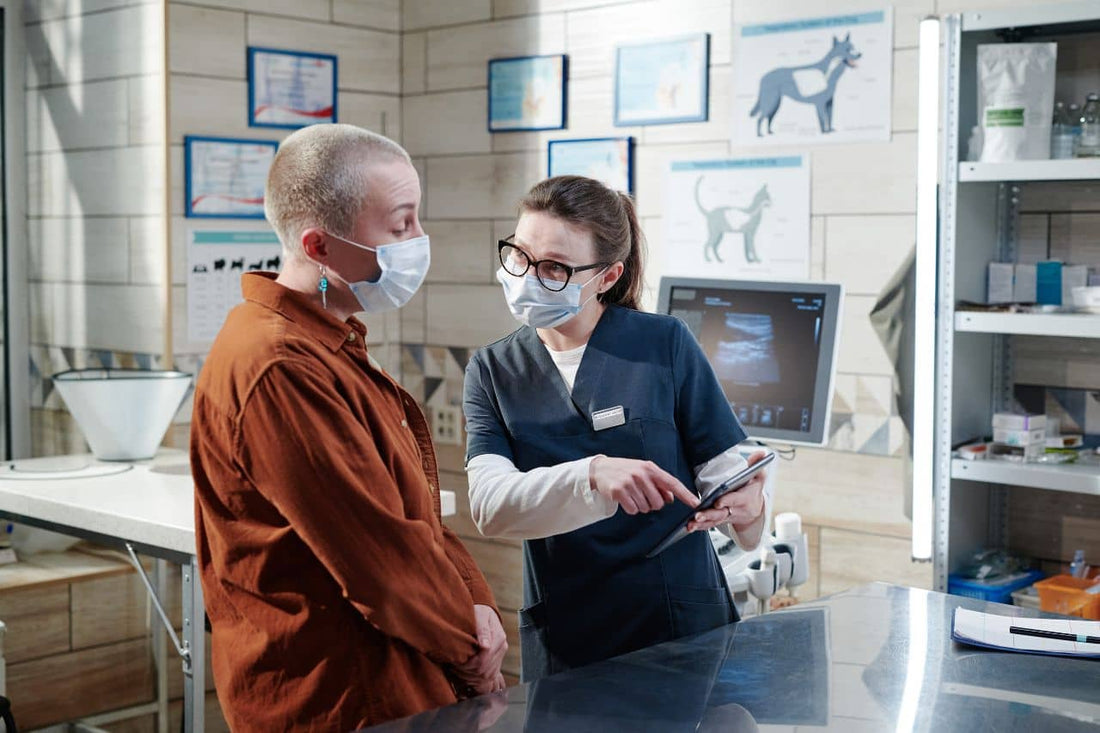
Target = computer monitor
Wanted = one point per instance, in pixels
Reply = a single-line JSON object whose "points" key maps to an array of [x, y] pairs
{"points": [[772, 346]]}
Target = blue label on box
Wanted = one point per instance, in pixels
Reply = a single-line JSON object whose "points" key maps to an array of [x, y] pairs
{"points": [[1048, 285]]}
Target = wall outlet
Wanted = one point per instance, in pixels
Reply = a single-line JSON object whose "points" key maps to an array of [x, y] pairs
{"points": [[446, 424]]}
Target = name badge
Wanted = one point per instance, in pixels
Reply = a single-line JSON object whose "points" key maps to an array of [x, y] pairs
{"points": [[610, 418]]}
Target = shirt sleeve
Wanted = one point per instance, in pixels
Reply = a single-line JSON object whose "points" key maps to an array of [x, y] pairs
{"points": [[527, 505], [714, 472], [485, 430], [320, 468], [468, 569], [704, 417]]}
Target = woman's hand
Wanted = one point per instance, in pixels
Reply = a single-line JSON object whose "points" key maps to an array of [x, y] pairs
{"points": [[742, 508], [637, 486]]}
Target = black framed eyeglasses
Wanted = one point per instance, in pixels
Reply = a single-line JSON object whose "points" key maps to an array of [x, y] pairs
{"points": [[551, 274]]}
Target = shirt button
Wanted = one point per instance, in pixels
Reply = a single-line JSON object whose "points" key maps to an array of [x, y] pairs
{"points": [[351, 337], [431, 487], [404, 423]]}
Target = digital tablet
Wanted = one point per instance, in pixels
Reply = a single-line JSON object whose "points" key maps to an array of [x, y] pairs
{"points": [[734, 483]]}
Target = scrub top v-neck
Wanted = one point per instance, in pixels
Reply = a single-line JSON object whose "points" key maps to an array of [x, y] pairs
{"points": [[591, 594]]}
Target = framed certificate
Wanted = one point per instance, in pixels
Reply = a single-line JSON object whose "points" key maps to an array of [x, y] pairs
{"points": [[527, 93], [662, 82], [290, 89], [224, 178], [607, 159]]}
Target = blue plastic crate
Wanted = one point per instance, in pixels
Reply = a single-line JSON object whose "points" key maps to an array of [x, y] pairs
{"points": [[997, 591]]}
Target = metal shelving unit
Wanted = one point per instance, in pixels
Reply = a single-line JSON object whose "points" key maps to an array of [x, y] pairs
{"points": [[973, 361]]}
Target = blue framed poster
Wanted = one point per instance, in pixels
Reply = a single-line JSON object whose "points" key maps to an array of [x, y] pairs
{"points": [[662, 82], [224, 178], [607, 159], [527, 93], [290, 89]]}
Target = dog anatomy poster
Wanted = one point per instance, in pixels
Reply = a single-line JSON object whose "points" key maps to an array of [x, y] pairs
{"points": [[745, 218], [216, 259], [822, 80]]}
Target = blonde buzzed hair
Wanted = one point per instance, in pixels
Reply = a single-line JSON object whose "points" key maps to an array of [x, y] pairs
{"points": [[319, 178]]}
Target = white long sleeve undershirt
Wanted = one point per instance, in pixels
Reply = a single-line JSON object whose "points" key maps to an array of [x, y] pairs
{"points": [[507, 502]]}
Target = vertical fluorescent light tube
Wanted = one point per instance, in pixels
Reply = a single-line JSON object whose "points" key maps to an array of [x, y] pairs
{"points": [[924, 326]]}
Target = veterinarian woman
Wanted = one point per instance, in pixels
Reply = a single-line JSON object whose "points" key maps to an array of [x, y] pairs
{"points": [[585, 425]]}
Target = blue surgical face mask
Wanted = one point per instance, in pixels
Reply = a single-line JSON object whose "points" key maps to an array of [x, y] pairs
{"points": [[404, 266], [535, 306]]}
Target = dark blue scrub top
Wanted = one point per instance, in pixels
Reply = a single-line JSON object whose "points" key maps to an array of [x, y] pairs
{"points": [[591, 594]]}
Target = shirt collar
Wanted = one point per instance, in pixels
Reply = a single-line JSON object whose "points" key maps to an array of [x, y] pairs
{"points": [[261, 288]]}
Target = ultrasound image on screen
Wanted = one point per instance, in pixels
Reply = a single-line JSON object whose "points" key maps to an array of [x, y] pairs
{"points": [[745, 353]]}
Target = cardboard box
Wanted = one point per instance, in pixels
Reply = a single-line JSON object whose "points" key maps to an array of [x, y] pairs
{"points": [[999, 289], [1023, 284], [1020, 437], [1018, 421]]}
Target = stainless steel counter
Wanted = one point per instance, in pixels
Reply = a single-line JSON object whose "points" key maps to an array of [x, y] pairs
{"points": [[875, 658]]}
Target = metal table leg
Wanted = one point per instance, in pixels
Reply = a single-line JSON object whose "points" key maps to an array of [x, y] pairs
{"points": [[160, 648], [194, 640]]}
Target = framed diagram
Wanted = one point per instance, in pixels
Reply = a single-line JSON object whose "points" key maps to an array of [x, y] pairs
{"points": [[224, 177], [662, 82], [290, 89], [607, 159], [527, 93]]}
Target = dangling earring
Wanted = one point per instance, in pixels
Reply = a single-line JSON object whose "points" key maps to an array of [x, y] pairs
{"points": [[323, 287]]}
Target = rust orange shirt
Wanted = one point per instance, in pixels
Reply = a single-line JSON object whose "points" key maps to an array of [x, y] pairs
{"points": [[337, 597]]}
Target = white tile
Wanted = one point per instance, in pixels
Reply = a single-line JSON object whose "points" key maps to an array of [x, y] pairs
{"points": [[844, 490], [591, 35], [414, 63], [421, 166], [818, 248], [860, 350], [207, 41], [463, 117], [717, 126], [146, 99], [431, 13], [375, 112], [460, 250], [71, 184], [382, 14], [368, 61], [112, 44], [872, 178], [78, 249], [467, 315], [864, 252], [119, 317], [458, 58], [148, 251], [850, 559], [315, 9], [480, 186], [903, 114], [87, 115], [217, 107], [39, 10], [652, 163], [907, 13], [510, 8]]}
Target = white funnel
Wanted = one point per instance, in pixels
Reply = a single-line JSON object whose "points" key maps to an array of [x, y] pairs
{"points": [[123, 413]]}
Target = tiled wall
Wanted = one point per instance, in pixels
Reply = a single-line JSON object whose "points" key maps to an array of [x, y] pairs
{"points": [[851, 495], [94, 172]]}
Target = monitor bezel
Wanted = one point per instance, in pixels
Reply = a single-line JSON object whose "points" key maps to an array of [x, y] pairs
{"points": [[826, 360]]}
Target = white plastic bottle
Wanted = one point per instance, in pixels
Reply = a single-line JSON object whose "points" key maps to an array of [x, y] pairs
{"points": [[1088, 146]]}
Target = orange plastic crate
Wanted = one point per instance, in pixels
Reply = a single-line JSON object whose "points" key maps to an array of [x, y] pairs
{"points": [[1066, 595]]}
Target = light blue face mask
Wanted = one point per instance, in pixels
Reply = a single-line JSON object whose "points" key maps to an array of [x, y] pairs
{"points": [[404, 267], [535, 306]]}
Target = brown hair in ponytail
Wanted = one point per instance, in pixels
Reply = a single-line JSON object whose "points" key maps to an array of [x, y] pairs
{"points": [[609, 216]]}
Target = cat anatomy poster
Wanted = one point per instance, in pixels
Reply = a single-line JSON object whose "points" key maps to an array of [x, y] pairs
{"points": [[820, 80], [746, 218]]}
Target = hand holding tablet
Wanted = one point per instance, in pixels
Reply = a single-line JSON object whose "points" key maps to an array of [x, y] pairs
{"points": [[734, 483]]}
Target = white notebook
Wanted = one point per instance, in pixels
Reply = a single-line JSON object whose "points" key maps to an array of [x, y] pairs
{"points": [[992, 630]]}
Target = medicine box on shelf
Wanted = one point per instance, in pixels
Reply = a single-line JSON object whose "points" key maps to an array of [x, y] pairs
{"points": [[998, 590]]}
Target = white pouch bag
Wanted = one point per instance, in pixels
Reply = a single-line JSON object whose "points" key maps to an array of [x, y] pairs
{"points": [[1016, 100]]}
